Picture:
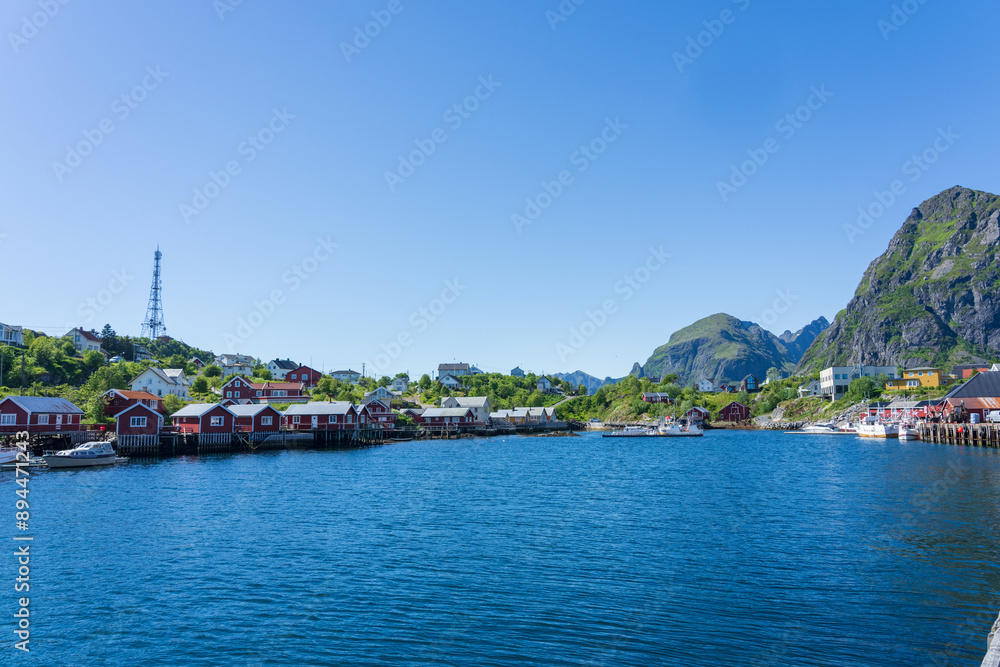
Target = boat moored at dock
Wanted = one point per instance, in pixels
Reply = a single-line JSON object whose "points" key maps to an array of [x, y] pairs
{"points": [[85, 455]]}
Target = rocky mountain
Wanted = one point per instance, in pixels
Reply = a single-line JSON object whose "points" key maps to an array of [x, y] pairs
{"points": [[934, 296], [592, 383], [797, 343], [723, 347]]}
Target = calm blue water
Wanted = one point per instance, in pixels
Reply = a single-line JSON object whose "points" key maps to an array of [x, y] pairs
{"points": [[735, 549]]}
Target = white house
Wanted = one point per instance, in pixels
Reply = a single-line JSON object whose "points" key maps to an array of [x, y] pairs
{"points": [[544, 385], [450, 381], [235, 364], [162, 382], [348, 376], [280, 368], [706, 386], [85, 341], [835, 380], [11, 335], [380, 394], [399, 385], [480, 406], [456, 370], [812, 388]]}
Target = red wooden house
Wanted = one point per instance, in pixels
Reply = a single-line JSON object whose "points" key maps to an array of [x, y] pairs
{"points": [[138, 419], [734, 412], [697, 414], [256, 418], [656, 397], [307, 376], [116, 400], [204, 418], [329, 416], [376, 413], [243, 391], [38, 414]]}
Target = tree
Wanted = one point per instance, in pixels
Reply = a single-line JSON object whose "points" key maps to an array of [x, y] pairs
{"points": [[773, 374], [425, 381], [212, 371], [864, 389], [172, 403], [200, 385], [263, 373]]}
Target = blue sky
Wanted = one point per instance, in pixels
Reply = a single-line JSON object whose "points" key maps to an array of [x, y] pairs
{"points": [[309, 251]]}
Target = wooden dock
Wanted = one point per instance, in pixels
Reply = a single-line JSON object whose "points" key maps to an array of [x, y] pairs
{"points": [[970, 435]]}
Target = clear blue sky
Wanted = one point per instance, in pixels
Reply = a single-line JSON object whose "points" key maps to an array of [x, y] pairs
{"points": [[64, 233]]}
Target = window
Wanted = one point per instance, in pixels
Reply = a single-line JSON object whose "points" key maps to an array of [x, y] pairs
{"points": [[279, 392], [332, 419], [137, 422], [296, 419], [229, 394], [258, 393], [8, 420], [43, 419], [216, 421], [293, 376], [266, 421], [237, 394], [349, 419]]}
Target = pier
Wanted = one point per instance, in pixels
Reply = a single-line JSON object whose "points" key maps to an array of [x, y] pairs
{"points": [[972, 435]]}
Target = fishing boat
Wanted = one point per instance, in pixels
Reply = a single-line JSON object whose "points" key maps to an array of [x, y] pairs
{"points": [[908, 431], [85, 455], [872, 427]]}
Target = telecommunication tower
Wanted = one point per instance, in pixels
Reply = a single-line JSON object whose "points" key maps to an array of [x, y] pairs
{"points": [[152, 326]]}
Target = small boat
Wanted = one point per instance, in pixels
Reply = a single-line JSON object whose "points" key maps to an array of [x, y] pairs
{"points": [[819, 428], [877, 428], [8, 454], [662, 430], [908, 431], [87, 454]]}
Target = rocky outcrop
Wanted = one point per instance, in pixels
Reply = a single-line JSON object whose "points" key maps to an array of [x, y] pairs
{"points": [[933, 298]]}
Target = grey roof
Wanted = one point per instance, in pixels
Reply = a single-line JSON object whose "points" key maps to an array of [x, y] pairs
{"points": [[249, 410], [285, 364], [453, 367], [44, 404], [470, 401], [318, 408], [347, 372], [984, 385], [445, 412], [198, 409]]}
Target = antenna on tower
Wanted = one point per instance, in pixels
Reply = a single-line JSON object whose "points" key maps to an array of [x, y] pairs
{"points": [[152, 326]]}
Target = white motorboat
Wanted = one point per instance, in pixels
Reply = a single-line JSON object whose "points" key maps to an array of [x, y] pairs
{"points": [[908, 431], [87, 454], [662, 430], [8, 454], [819, 428]]}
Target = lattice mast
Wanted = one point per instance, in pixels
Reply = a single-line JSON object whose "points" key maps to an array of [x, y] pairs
{"points": [[153, 326]]}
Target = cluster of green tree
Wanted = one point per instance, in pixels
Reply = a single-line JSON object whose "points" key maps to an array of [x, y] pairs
{"points": [[46, 361]]}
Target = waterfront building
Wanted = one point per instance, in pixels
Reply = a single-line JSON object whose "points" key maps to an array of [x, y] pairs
{"points": [[697, 414], [138, 419], [116, 400], [480, 406], [734, 412], [38, 414], [322, 416], [256, 418], [376, 412], [449, 417], [834, 381], [207, 418]]}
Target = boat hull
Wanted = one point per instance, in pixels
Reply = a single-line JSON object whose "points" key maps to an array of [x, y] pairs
{"points": [[878, 431], [79, 462]]}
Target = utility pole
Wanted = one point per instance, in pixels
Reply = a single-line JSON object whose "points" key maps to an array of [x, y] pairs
{"points": [[22, 370]]}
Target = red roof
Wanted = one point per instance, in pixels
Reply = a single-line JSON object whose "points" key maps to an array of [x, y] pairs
{"points": [[294, 386], [90, 335], [137, 395], [987, 404]]}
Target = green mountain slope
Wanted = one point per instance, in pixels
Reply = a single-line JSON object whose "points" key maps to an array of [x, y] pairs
{"points": [[723, 347], [932, 298]]}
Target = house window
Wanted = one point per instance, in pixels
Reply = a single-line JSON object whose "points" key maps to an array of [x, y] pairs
{"points": [[258, 393], [137, 422], [229, 394], [293, 376], [296, 419], [43, 419], [8, 420], [332, 419], [349, 419], [237, 394], [266, 421], [280, 392]]}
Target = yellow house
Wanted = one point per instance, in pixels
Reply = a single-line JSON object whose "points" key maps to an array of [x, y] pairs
{"points": [[914, 378]]}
